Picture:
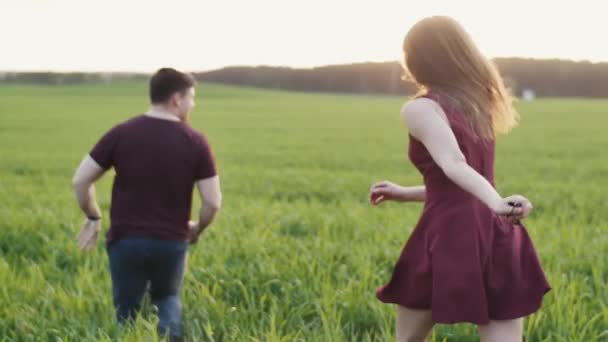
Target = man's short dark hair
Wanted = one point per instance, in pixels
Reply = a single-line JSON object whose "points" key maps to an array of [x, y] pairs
{"points": [[168, 81]]}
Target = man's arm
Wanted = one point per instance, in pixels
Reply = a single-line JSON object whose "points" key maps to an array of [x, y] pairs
{"points": [[211, 201], [86, 175]]}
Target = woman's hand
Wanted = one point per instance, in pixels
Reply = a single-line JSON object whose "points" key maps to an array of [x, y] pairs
{"points": [[385, 191], [516, 207]]}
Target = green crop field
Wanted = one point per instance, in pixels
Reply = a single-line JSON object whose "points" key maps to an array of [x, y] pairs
{"points": [[297, 252]]}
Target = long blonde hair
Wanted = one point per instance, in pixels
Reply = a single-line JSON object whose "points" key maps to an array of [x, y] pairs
{"points": [[441, 57]]}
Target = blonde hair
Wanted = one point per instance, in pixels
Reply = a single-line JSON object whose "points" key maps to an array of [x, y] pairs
{"points": [[441, 57]]}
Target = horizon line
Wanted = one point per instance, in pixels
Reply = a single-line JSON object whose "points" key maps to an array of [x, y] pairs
{"points": [[142, 72]]}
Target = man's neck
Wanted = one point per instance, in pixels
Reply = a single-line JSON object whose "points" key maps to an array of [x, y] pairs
{"points": [[162, 113]]}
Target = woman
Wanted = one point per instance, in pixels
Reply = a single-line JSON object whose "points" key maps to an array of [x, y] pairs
{"points": [[469, 258]]}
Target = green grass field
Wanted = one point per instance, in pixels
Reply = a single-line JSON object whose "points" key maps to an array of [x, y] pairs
{"points": [[296, 253]]}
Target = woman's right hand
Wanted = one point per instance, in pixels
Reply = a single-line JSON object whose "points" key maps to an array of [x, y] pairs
{"points": [[516, 207], [384, 191]]}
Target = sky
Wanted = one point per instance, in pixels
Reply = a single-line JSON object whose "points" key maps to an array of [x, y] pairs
{"points": [[142, 36]]}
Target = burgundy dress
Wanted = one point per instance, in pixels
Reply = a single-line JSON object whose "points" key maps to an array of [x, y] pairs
{"points": [[462, 261]]}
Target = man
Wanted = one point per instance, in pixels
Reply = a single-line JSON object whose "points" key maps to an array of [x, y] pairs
{"points": [[158, 159]]}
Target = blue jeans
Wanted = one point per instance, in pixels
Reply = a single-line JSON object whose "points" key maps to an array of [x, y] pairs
{"points": [[136, 263]]}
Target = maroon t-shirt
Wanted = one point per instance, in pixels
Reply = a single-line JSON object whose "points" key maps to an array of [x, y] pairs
{"points": [[157, 163]]}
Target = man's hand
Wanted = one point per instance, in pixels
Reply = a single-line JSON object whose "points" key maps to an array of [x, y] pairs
{"points": [[87, 238], [194, 230]]}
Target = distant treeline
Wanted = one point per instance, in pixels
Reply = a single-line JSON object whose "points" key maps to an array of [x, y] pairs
{"points": [[544, 77], [56, 78]]}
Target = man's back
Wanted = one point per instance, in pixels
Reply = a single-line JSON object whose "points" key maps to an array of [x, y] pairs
{"points": [[157, 162]]}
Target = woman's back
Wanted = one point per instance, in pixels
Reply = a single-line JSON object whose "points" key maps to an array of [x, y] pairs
{"points": [[478, 152]]}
